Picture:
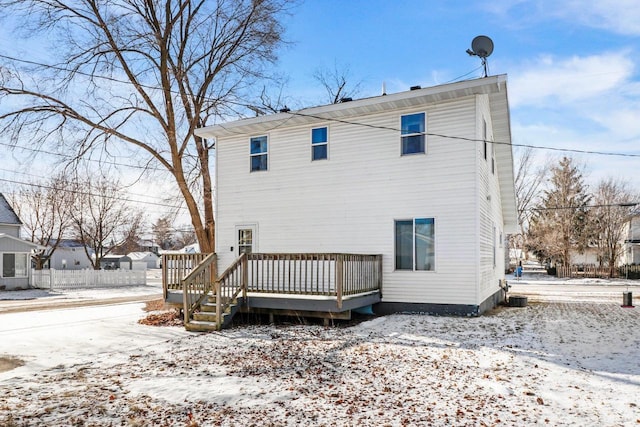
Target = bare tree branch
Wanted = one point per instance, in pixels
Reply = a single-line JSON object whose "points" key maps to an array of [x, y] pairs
{"points": [[142, 74]]}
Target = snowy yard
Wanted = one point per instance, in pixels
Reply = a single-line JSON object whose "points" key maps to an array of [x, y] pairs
{"points": [[551, 363]]}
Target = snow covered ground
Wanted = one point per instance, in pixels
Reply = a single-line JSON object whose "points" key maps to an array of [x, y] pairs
{"points": [[570, 361]]}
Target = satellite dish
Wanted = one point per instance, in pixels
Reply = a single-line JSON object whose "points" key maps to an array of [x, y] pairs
{"points": [[481, 46]]}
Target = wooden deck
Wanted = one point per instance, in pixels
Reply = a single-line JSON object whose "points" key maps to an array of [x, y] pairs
{"points": [[307, 284]]}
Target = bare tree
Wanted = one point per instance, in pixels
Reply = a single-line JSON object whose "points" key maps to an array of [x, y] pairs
{"points": [[528, 183], [141, 75], [184, 238], [102, 219], [613, 202], [336, 82], [559, 223], [44, 208], [162, 232]]}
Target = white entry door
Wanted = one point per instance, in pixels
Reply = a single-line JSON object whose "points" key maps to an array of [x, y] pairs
{"points": [[246, 239]]}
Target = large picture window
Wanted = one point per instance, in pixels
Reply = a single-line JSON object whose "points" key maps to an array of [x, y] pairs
{"points": [[319, 143], [259, 153], [415, 244], [413, 133], [14, 265]]}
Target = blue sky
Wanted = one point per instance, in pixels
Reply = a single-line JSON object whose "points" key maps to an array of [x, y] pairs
{"points": [[572, 65]]}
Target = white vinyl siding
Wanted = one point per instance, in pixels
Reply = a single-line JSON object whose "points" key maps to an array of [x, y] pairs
{"points": [[492, 260], [350, 204]]}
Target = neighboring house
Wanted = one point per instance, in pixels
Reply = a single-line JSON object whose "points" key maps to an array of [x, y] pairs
{"points": [[116, 262], [148, 245], [589, 255], [15, 253], [631, 252], [70, 255], [412, 176], [151, 259]]}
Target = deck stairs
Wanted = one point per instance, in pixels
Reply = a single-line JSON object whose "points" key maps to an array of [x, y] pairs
{"points": [[205, 319], [209, 302]]}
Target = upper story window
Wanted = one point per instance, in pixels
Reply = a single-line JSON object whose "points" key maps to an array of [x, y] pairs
{"points": [[259, 153], [413, 133], [319, 143]]}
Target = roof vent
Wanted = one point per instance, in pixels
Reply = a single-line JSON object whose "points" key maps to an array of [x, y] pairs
{"points": [[285, 109], [415, 87], [346, 99]]}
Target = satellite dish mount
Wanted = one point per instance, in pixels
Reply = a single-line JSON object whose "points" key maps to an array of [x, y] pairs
{"points": [[481, 46]]}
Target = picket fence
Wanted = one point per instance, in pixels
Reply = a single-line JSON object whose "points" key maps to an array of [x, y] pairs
{"points": [[84, 279], [596, 272]]}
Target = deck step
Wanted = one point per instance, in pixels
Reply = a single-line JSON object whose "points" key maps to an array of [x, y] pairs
{"points": [[201, 326], [208, 307], [205, 316]]}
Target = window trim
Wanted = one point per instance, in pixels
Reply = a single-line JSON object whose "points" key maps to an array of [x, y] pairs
{"points": [[318, 144], [423, 134], [413, 248], [252, 155]]}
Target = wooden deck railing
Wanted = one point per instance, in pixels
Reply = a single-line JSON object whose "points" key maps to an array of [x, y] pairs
{"points": [[337, 275], [326, 274], [176, 267], [197, 285], [230, 285]]}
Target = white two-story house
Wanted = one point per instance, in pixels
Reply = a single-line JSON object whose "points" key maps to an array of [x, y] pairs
{"points": [[423, 177]]}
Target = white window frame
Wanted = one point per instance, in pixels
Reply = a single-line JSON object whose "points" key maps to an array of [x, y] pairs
{"points": [[252, 155], [319, 144], [423, 134], [413, 248]]}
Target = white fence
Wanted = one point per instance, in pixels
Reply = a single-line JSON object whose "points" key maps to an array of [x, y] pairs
{"points": [[83, 279]]}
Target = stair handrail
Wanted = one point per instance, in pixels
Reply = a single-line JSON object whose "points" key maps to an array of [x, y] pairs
{"points": [[196, 286], [230, 285]]}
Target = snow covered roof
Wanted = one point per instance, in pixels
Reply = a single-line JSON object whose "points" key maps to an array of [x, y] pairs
{"points": [[135, 256], [7, 214]]}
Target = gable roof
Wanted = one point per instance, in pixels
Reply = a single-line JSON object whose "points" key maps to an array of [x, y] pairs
{"points": [[495, 87], [7, 214]]}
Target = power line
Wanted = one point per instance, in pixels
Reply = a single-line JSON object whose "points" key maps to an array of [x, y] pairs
{"points": [[611, 205], [462, 138], [85, 193], [567, 150], [68, 157]]}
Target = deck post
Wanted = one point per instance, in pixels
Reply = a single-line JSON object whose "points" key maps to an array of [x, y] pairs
{"points": [[218, 304], [339, 279], [245, 276]]}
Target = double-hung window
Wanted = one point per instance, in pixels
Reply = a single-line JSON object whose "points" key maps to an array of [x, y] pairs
{"points": [[413, 133], [319, 143], [415, 244], [259, 153]]}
